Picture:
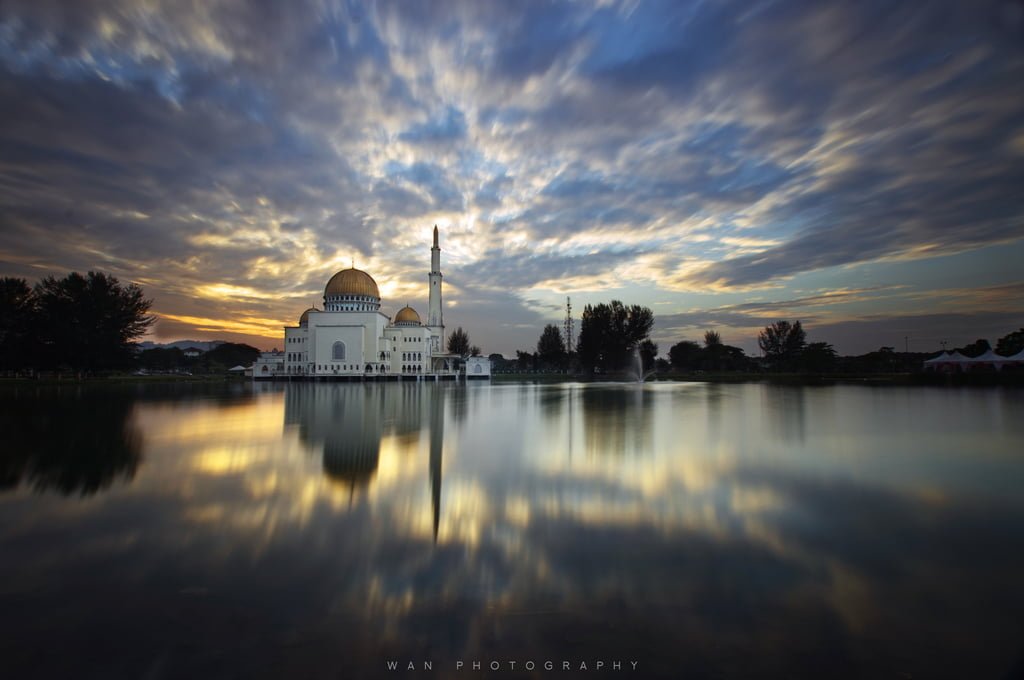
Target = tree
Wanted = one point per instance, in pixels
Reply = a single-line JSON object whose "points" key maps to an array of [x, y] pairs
{"points": [[712, 339], [162, 359], [609, 332], [819, 357], [551, 347], [458, 342], [90, 322], [17, 318], [1008, 345], [474, 351], [228, 355], [782, 342], [685, 355], [976, 348], [525, 361]]}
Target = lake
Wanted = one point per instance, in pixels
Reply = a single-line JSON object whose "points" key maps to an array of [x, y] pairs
{"points": [[327, 530]]}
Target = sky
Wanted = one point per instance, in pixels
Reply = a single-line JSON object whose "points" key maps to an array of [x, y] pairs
{"points": [[857, 166]]}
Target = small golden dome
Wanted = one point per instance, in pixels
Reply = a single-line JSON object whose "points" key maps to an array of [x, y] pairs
{"points": [[407, 315], [305, 315], [352, 282]]}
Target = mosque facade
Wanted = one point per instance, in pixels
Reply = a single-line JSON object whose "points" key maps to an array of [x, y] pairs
{"points": [[352, 338]]}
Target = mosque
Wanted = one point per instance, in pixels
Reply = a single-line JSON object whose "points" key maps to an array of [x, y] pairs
{"points": [[351, 338]]}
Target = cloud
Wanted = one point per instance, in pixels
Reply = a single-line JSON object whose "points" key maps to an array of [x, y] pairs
{"points": [[557, 144], [446, 130]]}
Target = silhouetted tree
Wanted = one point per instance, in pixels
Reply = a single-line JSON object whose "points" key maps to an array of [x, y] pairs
{"points": [[976, 348], [551, 347], [90, 322], [782, 342], [685, 355], [162, 359], [498, 362], [819, 357], [17, 321], [1010, 344], [227, 355], [525, 361], [712, 339], [474, 351], [458, 342], [609, 332]]}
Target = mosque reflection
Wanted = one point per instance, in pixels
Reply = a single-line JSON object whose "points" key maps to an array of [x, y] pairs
{"points": [[346, 423]]}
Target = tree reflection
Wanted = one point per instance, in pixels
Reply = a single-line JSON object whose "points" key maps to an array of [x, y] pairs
{"points": [[68, 442], [617, 421], [786, 408]]}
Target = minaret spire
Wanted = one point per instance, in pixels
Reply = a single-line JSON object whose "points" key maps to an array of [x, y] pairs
{"points": [[435, 319]]}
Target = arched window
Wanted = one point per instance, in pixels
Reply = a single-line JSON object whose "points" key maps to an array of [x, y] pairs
{"points": [[338, 352], [477, 369]]}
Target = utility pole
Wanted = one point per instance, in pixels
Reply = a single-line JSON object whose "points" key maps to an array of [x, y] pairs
{"points": [[569, 334]]}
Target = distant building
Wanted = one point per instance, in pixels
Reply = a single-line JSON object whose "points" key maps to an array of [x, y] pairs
{"points": [[192, 352], [478, 368], [268, 364], [352, 338]]}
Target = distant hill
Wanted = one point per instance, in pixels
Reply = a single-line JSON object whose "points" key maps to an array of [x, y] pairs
{"points": [[205, 345]]}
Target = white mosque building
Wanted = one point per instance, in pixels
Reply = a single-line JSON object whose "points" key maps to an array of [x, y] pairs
{"points": [[351, 338]]}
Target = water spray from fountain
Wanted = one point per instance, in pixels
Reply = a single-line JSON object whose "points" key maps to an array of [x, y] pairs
{"points": [[637, 366]]}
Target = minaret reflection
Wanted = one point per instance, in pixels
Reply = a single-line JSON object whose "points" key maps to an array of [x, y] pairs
{"points": [[436, 452]]}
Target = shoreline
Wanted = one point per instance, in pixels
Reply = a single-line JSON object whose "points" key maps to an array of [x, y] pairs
{"points": [[1006, 379]]}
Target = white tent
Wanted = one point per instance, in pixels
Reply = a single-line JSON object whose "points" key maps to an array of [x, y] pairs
{"points": [[1016, 358], [953, 360], [934, 361], [988, 357]]}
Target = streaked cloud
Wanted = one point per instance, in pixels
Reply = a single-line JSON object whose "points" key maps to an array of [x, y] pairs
{"points": [[695, 157]]}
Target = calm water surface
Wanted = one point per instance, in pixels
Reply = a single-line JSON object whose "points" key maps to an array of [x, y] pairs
{"points": [[699, 530]]}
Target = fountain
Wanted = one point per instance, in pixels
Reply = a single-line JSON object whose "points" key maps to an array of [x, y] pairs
{"points": [[637, 366]]}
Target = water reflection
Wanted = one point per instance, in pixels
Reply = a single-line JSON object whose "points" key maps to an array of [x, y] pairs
{"points": [[708, 531], [67, 440], [344, 422], [617, 421], [786, 407]]}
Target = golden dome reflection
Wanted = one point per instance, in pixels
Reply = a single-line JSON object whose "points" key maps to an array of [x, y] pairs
{"points": [[352, 282]]}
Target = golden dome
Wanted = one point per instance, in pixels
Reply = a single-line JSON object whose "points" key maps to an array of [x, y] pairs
{"points": [[407, 315], [305, 315], [352, 282]]}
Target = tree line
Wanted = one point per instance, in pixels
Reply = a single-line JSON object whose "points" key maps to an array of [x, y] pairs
{"points": [[609, 334], [79, 323]]}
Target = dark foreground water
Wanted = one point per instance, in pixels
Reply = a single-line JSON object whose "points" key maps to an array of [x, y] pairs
{"points": [[700, 531]]}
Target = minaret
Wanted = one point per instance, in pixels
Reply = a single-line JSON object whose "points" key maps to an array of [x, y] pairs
{"points": [[434, 317]]}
